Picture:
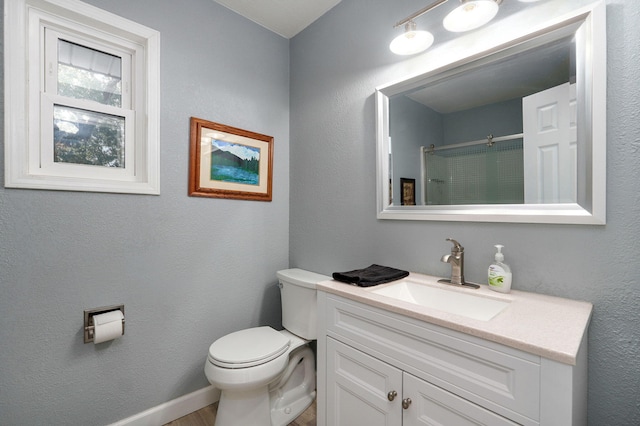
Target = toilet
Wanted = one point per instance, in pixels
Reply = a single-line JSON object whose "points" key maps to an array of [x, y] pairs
{"points": [[267, 377]]}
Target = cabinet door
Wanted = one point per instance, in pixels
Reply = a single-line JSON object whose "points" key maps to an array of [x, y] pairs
{"points": [[360, 389], [431, 405]]}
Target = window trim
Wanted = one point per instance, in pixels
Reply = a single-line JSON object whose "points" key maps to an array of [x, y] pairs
{"points": [[25, 134]]}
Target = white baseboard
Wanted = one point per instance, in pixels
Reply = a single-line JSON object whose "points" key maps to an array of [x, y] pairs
{"points": [[174, 409]]}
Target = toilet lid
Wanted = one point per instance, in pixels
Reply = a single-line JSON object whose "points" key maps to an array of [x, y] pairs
{"points": [[246, 348]]}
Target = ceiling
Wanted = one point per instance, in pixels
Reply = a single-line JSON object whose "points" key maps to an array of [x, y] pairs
{"points": [[284, 17], [517, 76]]}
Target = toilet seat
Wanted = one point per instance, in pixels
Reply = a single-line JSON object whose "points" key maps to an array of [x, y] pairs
{"points": [[248, 348]]}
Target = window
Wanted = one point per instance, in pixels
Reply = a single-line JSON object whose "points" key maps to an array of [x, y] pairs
{"points": [[82, 99]]}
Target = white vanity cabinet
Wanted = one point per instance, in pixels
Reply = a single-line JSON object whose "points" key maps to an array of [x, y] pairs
{"points": [[372, 361], [358, 388]]}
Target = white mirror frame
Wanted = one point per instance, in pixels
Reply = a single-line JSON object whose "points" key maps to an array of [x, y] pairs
{"points": [[589, 25]]}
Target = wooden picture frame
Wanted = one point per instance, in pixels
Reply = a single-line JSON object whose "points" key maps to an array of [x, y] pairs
{"points": [[227, 162], [408, 191]]}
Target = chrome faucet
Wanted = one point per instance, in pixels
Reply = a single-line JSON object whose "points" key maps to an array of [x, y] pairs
{"points": [[456, 259]]}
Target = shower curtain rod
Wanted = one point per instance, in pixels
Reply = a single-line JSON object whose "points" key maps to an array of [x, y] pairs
{"points": [[489, 141]]}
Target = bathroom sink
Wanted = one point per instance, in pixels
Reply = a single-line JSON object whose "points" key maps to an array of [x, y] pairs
{"points": [[463, 302]]}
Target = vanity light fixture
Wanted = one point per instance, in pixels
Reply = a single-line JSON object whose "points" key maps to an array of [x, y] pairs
{"points": [[471, 14], [411, 41]]}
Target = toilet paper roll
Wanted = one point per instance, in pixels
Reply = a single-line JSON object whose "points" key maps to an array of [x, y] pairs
{"points": [[107, 326]]}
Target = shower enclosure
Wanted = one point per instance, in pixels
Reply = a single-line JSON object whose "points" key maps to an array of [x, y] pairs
{"points": [[487, 171]]}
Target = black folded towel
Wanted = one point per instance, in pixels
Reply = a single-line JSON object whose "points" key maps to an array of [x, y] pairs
{"points": [[368, 277]]}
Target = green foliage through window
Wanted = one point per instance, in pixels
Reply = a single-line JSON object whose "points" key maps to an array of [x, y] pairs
{"points": [[85, 137]]}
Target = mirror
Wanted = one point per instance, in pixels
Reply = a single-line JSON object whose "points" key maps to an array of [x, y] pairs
{"points": [[513, 133]]}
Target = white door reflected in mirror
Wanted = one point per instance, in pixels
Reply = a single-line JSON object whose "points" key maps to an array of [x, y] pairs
{"points": [[550, 145]]}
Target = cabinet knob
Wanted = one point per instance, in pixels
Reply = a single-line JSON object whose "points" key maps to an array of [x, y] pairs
{"points": [[406, 403], [392, 395]]}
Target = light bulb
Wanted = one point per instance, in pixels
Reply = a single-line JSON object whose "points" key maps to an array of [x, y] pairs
{"points": [[411, 41], [470, 15]]}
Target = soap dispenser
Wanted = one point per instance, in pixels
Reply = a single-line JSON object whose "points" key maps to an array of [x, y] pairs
{"points": [[500, 273]]}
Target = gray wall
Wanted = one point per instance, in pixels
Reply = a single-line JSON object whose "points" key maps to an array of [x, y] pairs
{"points": [[499, 119], [412, 125], [333, 221], [188, 270]]}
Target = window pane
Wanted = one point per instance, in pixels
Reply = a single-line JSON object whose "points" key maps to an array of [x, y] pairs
{"points": [[87, 137], [85, 73]]}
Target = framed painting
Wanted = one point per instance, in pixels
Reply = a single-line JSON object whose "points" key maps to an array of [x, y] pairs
{"points": [[227, 162], [408, 191]]}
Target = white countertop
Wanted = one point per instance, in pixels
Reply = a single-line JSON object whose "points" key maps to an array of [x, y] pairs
{"points": [[551, 327]]}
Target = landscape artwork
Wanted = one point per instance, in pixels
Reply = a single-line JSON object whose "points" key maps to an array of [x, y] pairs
{"points": [[228, 162], [231, 162]]}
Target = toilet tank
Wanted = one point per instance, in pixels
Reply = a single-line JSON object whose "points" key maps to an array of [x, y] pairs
{"points": [[298, 295]]}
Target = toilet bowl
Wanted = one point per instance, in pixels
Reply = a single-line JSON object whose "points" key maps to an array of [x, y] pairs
{"points": [[267, 377]]}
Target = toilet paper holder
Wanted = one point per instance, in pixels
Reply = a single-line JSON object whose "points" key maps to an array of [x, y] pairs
{"points": [[88, 319]]}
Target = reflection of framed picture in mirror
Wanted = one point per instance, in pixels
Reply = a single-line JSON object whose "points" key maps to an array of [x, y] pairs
{"points": [[227, 162], [408, 187]]}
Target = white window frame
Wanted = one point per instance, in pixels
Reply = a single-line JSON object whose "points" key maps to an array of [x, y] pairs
{"points": [[31, 93]]}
